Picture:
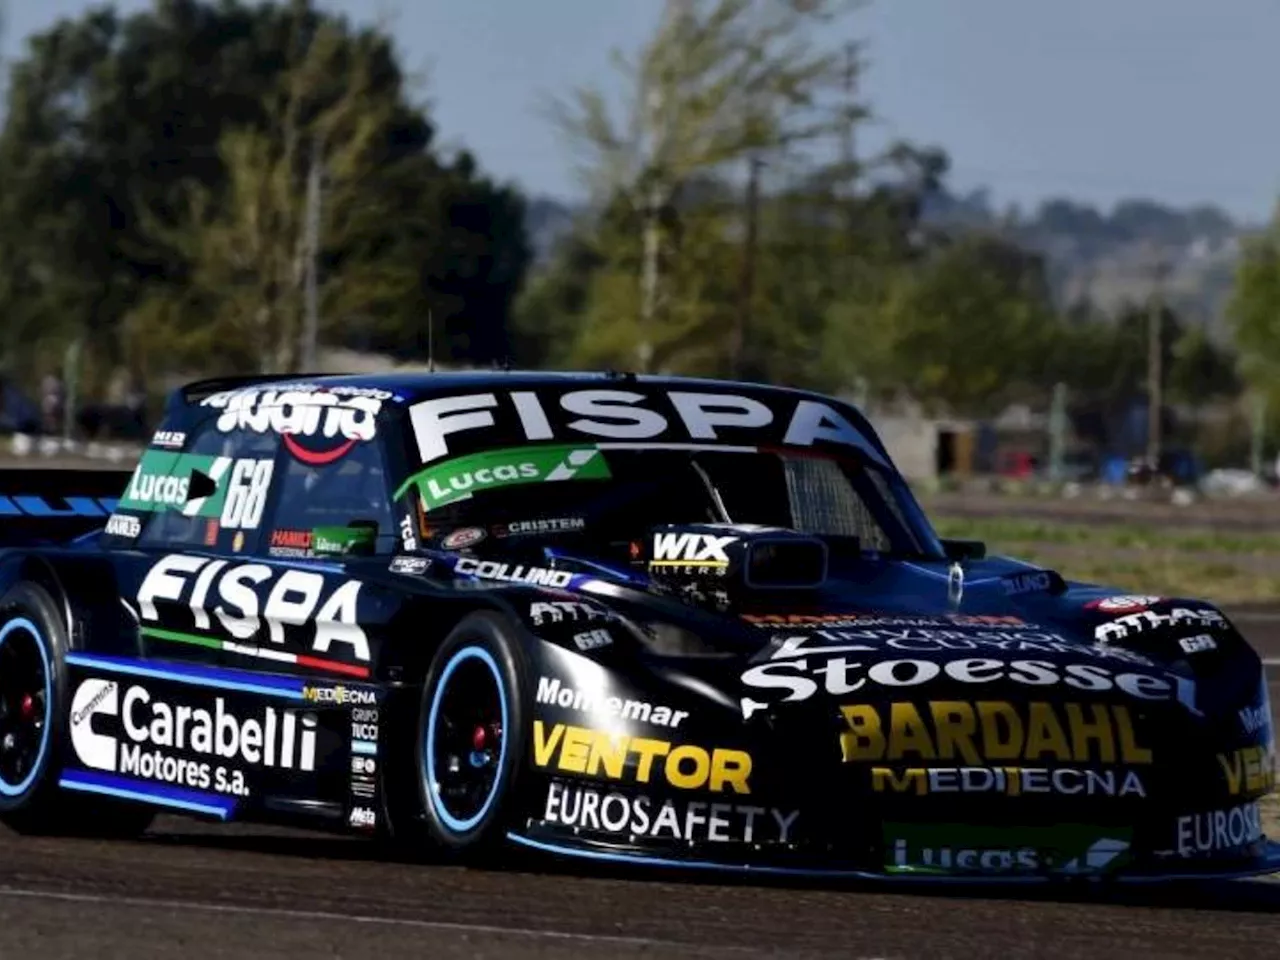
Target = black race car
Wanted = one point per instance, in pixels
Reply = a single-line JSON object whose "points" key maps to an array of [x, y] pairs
{"points": [[643, 620]]}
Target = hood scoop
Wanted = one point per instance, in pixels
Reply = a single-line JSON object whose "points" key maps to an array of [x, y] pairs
{"points": [[717, 565]]}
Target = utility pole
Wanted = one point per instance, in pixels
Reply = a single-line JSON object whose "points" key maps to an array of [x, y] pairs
{"points": [[747, 284], [848, 154], [311, 260], [654, 199], [1155, 357]]}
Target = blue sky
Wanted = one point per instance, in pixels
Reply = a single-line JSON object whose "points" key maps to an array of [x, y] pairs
{"points": [[1093, 99]]}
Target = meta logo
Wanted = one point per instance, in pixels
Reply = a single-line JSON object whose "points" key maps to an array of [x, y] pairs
{"points": [[33, 505], [690, 549]]}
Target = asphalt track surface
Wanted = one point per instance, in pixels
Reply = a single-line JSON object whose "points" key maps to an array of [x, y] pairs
{"points": [[193, 890]]}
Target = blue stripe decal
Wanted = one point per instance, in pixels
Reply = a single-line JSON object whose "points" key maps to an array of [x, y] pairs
{"points": [[109, 785], [364, 747], [238, 680]]}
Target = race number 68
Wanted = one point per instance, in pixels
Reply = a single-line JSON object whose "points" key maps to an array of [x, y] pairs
{"points": [[247, 494]]}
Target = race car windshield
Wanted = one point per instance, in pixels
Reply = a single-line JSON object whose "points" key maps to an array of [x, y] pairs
{"points": [[619, 495]]}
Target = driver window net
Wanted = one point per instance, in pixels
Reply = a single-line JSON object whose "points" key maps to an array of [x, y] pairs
{"points": [[824, 502]]}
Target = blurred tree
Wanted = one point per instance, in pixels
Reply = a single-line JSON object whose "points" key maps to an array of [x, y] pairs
{"points": [[723, 83], [137, 150], [970, 327], [1254, 311]]}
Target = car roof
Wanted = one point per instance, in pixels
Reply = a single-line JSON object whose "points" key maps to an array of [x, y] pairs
{"points": [[410, 387]]}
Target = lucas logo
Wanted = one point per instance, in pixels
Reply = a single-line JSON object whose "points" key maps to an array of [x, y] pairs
{"points": [[233, 594], [690, 549]]}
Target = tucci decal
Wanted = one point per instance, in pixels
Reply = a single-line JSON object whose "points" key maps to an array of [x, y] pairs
{"points": [[627, 415], [232, 592], [161, 738], [318, 425]]}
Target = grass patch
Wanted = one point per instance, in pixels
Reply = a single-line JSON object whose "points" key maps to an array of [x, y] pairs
{"points": [[999, 531], [1193, 563]]}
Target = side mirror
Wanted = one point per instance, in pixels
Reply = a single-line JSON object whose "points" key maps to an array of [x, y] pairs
{"points": [[360, 540], [961, 550]]}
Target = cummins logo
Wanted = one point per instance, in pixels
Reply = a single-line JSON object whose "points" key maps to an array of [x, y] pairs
{"points": [[270, 739]]}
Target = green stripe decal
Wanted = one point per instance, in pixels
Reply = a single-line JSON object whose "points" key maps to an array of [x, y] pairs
{"points": [[458, 479], [177, 637]]}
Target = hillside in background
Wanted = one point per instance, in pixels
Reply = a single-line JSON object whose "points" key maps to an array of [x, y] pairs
{"points": [[1106, 258]]}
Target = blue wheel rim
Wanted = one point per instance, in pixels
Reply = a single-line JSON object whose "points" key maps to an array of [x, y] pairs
{"points": [[22, 624], [454, 823]]}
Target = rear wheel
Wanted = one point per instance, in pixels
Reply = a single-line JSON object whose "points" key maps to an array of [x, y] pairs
{"points": [[33, 708], [471, 735]]}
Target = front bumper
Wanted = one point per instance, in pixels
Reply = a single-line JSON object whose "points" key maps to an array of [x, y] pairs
{"points": [[1268, 862]]}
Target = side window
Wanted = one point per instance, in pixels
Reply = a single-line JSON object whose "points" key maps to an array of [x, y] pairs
{"points": [[351, 491], [213, 494]]}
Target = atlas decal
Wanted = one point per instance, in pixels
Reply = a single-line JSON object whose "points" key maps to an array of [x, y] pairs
{"points": [[688, 821], [573, 611], [158, 733], [629, 416], [231, 592], [990, 732], [1145, 620], [318, 425]]}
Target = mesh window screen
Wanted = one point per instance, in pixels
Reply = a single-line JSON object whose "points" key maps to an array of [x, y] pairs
{"points": [[824, 502]]}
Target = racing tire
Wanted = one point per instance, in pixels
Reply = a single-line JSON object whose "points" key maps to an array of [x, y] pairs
{"points": [[34, 703], [471, 736]]}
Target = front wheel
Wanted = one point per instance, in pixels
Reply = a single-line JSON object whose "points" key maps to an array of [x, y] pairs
{"points": [[471, 734], [33, 710]]}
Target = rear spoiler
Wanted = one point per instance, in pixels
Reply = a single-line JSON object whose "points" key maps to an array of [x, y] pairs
{"points": [[43, 506]]}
